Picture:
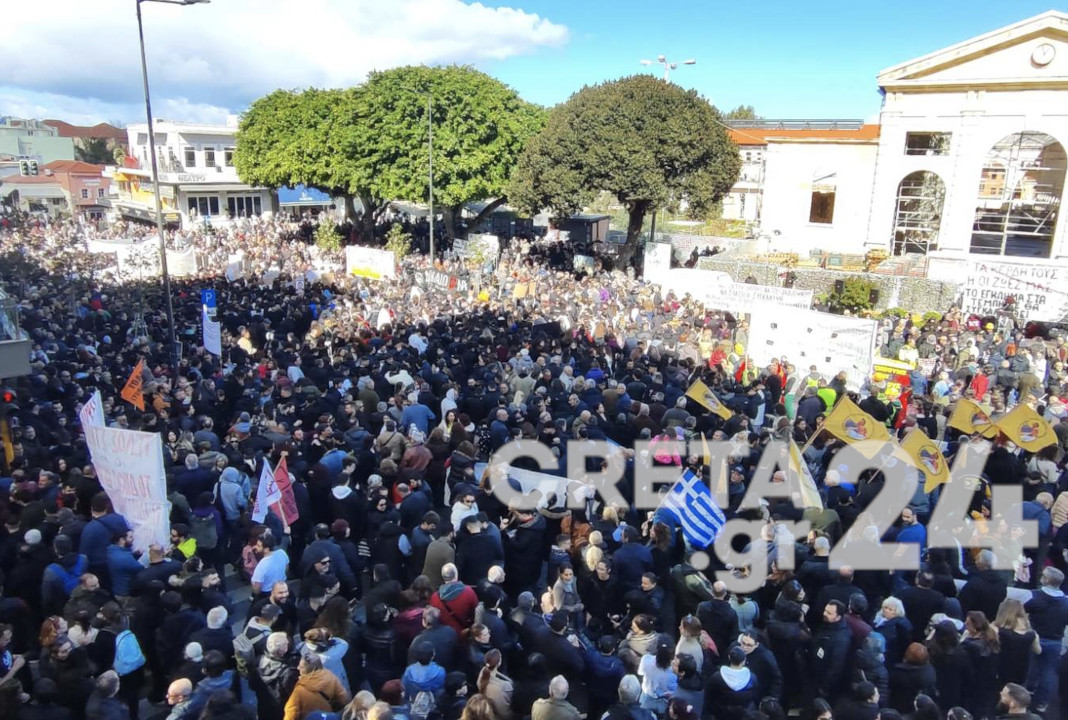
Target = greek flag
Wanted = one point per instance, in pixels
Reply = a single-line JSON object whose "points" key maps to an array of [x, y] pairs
{"points": [[691, 503]]}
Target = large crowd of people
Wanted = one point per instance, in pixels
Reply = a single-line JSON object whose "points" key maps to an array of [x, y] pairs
{"points": [[402, 588]]}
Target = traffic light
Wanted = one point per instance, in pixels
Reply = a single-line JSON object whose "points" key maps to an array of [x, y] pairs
{"points": [[9, 403], [24, 167], [33, 167]]}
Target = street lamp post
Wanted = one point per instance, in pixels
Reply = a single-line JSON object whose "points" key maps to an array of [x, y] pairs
{"points": [[172, 340], [668, 67], [430, 168]]}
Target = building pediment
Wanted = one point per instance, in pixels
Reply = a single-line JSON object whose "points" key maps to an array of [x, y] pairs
{"points": [[1030, 53]]}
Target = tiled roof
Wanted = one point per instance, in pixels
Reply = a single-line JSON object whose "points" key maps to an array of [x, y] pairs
{"points": [[74, 166], [100, 130], [760, 136]]}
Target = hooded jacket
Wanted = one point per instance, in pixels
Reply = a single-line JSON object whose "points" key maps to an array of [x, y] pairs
{"points": [[457, 603], [317, 690], [97, 536], [233, 492], [731, 691]]}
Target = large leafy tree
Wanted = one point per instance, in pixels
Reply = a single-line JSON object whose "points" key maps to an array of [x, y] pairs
{"points": [[307, 138], [480, 127], [648, 142]]}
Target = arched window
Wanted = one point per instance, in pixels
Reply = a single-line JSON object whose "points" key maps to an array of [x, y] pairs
{"points": [[918, 214], [1019, 196]]}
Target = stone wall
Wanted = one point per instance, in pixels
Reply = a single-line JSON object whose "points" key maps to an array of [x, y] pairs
{"points": [[914, 294]]}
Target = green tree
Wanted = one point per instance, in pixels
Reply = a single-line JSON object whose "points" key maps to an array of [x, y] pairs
{"points": [[398, 242], [855, 295], [308, 138], [95, 151], [647, 142], [327, 237], [480, 128], [743, 112]]}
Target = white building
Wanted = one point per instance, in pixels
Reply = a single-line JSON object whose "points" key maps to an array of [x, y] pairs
{"points": [[198, 181], [967, 161]]}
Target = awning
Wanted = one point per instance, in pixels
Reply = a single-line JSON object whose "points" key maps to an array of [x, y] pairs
{"points": [[144, 214], [35, 190], [303, 196]]}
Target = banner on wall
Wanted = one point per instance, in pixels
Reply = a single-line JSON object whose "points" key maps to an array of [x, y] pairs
{"points": [[129, 465], [716, 290], [370, 263], [1040, 291], [832, 343]]}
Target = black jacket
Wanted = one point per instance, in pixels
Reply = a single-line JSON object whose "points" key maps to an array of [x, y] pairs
{"points": [[720, 621], [475, 555], [984, 591], [727, 702], [906, 681], [828, 659]]}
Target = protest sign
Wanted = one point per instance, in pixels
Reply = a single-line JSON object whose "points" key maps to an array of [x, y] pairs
{"points": [[370, 263], [1040, 290], [129, 465], [436, 280], [182, 263]]}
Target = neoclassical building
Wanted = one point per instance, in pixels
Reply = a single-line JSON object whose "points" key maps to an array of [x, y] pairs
{"points": [[967, 163]]}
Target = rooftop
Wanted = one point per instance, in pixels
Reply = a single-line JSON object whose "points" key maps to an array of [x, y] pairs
{"points": [[100, 130], [750, 136]]}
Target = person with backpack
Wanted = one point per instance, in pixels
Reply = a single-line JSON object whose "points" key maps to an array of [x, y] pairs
{"points": [[117, 648], [232, 494], [424, 675], [61, 577], [317, 689]]}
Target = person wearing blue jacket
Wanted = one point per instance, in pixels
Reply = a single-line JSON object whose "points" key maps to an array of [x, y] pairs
{"points": [[604, 670], [122, 564], [632, 559], [424, 675], [97, 535]]}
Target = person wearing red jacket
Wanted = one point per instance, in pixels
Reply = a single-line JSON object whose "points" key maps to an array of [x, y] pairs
{"points": [[456, 601]]}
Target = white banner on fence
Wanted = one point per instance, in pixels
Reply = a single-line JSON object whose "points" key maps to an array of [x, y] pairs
{"points": [[806, 337], [129, 465], [717, 290], [1041, 291], [182, 263], [370, 263]]}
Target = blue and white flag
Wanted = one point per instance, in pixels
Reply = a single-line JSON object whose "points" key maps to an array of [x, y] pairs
{"points": [[691, 503]]}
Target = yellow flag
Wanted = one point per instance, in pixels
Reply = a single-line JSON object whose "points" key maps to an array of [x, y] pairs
{"points": [[707, 399], [850, 424], [1026, 428], [718, 484], [924, 452], [810, 494], [970, 419]]}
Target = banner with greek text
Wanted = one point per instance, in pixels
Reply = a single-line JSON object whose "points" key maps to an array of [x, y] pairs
{"points": [[129, 465], [92, 413], [1039, 289]]}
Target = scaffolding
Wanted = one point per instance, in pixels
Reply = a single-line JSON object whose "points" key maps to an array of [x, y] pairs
{"points": [[1019, 196], [918, 214]]}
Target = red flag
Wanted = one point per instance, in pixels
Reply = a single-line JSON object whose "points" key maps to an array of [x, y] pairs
{"points": [[288, 503], [740, 372], [131, 392]]}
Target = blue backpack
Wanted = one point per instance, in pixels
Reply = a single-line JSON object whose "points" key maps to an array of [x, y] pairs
{"points": [[128, 655], [70, 579]]}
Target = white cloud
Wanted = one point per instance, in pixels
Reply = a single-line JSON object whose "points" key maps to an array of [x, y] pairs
{"points": [[82, 58]]}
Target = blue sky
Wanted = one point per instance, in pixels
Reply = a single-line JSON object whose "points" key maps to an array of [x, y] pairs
{"points": [[788, 59], [79, 61]]}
